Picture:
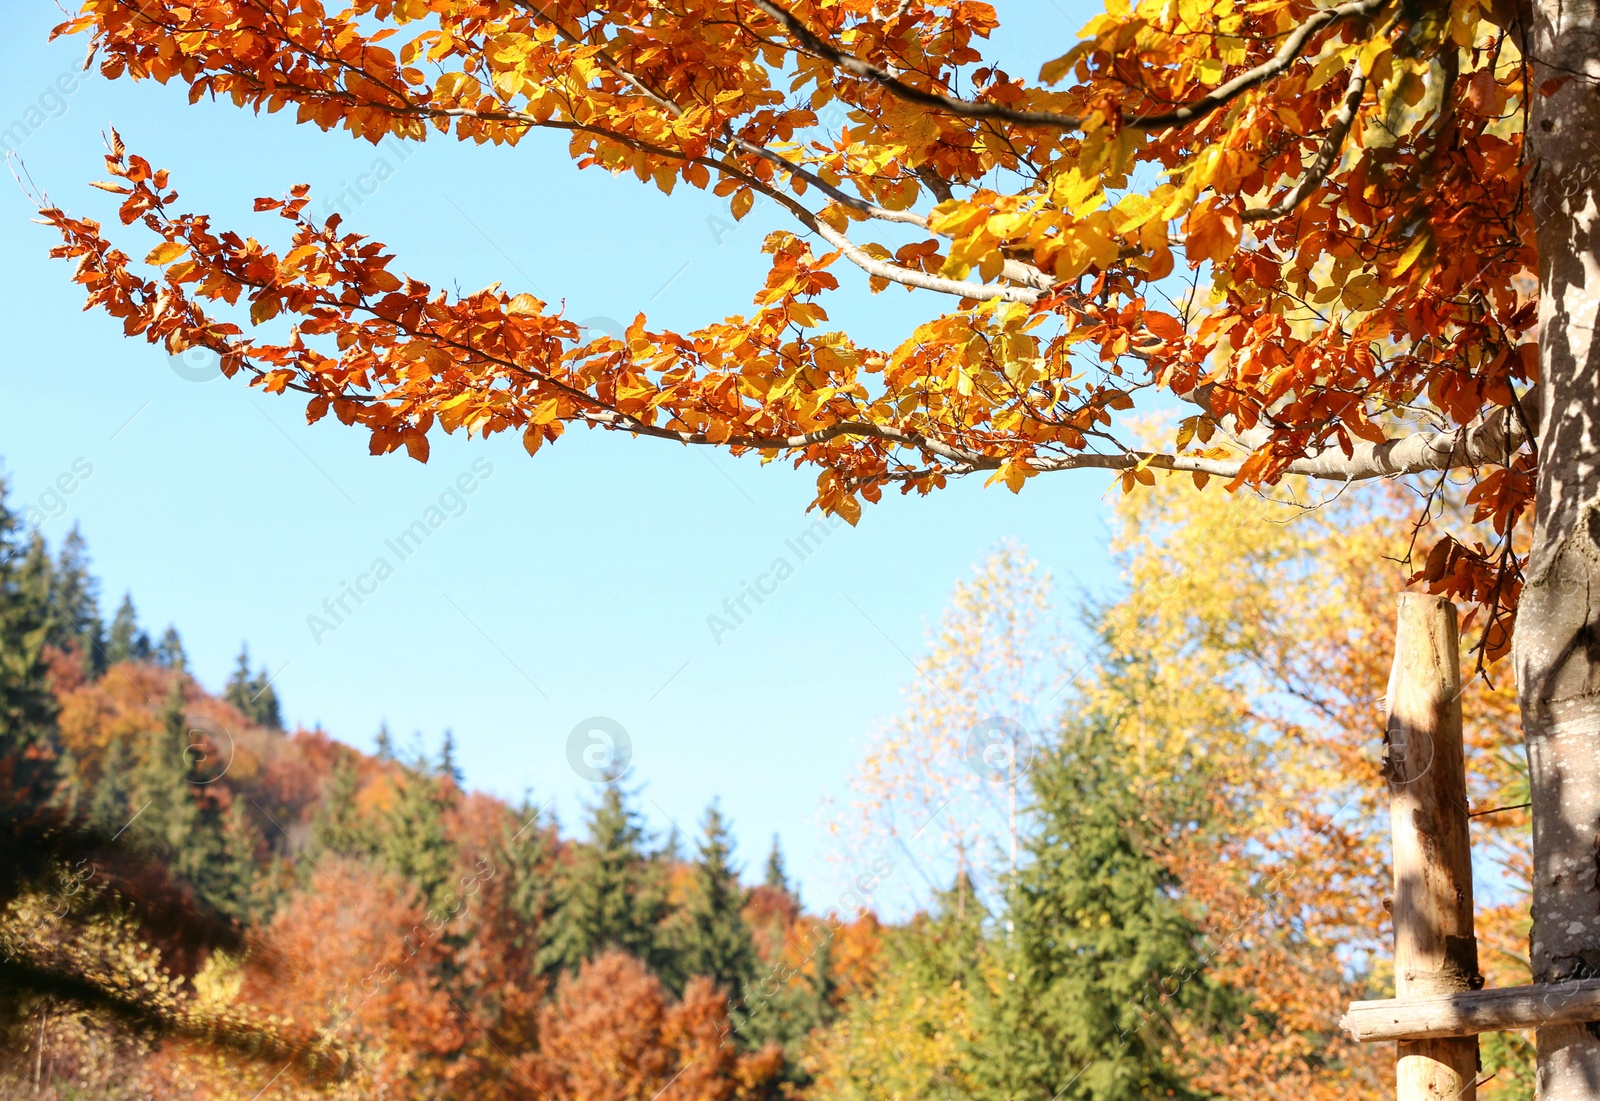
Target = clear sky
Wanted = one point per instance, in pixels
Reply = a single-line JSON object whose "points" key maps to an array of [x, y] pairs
{"points": [[572, 586]]}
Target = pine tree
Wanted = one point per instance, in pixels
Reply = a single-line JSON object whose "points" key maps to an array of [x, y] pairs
{"points": [[1097, 952], [384, 750], [109, 806], [161, 790], [609, 894], [169, 651], [526, 853], [253, 695], [228, 881], [127, 641], [76, 604], [338, 825], [414, 844], [28, 743], [777, 875], [711, 937], [448, 769]]}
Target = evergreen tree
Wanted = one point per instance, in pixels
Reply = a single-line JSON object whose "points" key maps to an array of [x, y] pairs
{"points": [[609, 894], [526, 856], [414, 844], [712, 938], [228, 882], [211, 849], [253, 695], [169, 651], [28, 743], [127, 641], [1097, 953], [385, 747], [448, 769], [109, 806], [161, 790], [777, 875], [338, 825], [76, 606]]}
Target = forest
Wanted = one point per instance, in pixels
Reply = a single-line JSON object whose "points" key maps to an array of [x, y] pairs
{"points": [[1309, 286], [1193, 885]]}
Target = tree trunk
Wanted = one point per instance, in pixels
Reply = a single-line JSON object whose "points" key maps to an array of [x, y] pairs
{"points": [[1557, 654], [1434, 948]]}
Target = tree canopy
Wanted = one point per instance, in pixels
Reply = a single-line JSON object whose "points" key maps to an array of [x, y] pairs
{"points": [[1349, 180]]}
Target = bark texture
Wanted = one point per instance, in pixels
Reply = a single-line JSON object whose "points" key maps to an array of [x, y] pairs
{"points": [[1434, 948], [1557, 653]]}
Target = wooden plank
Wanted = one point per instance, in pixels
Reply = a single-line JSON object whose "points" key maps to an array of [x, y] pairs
{"points": [[1444, 1015], [1434, 948]]}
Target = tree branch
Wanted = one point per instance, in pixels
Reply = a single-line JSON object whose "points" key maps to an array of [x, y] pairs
{"points": [[1291, 50], [1327, 157]]}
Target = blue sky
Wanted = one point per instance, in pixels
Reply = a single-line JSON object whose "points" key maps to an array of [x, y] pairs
{"points": [[559, 589]]}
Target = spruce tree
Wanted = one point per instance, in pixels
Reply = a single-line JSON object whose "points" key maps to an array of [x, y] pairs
{"points": [[525, 858], [253, 695], [76, 606], [414, 844], [109, 806], [609, 894], [1097, 953], [384, 749], [127, 640], [777, 876], [448, 769], [712, 938], [338, 825], [28, 743], [169, 819], [169, 651]]}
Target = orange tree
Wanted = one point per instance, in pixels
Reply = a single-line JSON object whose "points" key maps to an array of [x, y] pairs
{"points": [[1392, 205]]}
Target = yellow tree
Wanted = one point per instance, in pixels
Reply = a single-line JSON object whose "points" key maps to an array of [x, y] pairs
{"points": [[1393, 202], [941, 782]]}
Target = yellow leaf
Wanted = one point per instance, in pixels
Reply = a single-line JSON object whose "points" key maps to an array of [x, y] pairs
{"points": [[166, 252]]}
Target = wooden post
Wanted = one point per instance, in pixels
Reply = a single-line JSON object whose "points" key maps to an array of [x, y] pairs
{"points": [[1435, 951]]}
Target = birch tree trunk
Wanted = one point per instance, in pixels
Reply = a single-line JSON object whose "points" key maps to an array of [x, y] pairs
{"points": [[1557, 654]]}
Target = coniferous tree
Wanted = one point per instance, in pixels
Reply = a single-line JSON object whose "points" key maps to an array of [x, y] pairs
{"points": [[1097, 952], [384, 750], [28, 743], [526, 858], [160, 786], [76, 606], [127, 641], [448, 769], [109, 806], [777, 876], [253, 695], [169, 651], [609, 894], [711, 937], [414, 844], [339, 825]]}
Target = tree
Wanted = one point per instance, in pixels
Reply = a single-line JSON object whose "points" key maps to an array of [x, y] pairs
{"points": [[28, 749], [776, 875], [253, 695], [1098, 953], [414, 843], [127, 641], [448, 769], [1393, 204], [712, 939], [339, 825], [608, 893], [914, 1035], [169, 651]]}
